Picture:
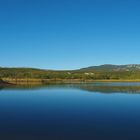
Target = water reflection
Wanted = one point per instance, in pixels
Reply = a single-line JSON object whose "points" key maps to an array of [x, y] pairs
{"points": [[115, 87], [67, 112]]}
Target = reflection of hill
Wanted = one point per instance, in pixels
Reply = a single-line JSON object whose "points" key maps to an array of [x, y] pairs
{"points": [[4, 84], [111, 89], [95, 87]]}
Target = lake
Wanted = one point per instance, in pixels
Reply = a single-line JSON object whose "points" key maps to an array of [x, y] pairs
{"points": [[92, 111]]}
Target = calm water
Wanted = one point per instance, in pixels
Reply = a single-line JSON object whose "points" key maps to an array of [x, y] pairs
{"points": [[96, 111]]}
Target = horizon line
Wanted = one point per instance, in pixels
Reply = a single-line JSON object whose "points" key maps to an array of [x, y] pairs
{"points": [[28, 67]]}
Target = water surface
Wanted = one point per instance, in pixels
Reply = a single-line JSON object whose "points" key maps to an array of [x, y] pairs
{"points": [[94, 111]]}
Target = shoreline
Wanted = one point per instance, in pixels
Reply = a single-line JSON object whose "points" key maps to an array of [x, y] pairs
{"points": [[8, 81], [4, 83]]}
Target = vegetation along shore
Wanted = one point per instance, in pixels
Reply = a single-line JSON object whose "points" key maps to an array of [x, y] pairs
{"points": [[103, 73]]}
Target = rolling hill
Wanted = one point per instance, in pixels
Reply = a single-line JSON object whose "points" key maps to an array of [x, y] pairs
{"points": [[109, 67], [102, 72]]}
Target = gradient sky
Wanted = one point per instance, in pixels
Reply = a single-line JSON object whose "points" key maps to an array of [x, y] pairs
{"points": [[69, 34]]}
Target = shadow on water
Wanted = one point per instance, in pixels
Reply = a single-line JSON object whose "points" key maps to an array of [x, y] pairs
{"points": [[106, 88]]}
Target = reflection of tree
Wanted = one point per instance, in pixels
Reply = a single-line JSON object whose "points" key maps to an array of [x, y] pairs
{"points": [[1, 87], [110, 89], [102, 87], [3, 84]]}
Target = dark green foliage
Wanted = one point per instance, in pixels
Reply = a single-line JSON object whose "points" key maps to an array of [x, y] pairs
{"points": [[106, 72]]}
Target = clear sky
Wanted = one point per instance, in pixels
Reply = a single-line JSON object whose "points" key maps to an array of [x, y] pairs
{"points": [[69, 34]]}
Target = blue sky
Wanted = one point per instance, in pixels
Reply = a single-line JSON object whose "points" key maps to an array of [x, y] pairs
{"points": [[63, 34]]}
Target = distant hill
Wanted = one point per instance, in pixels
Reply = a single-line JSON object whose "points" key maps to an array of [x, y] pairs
{"points": [[109, 67], [105, 67], [102, 72]]}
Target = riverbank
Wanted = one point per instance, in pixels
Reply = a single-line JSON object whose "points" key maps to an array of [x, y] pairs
{"points": [[4, 83], [51, 81]]}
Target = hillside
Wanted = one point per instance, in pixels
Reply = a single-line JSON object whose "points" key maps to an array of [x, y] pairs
{"points": [[103, 72], [109, 67]]}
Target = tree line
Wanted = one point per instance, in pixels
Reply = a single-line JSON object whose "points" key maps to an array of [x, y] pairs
{"points": [[14, 73]]}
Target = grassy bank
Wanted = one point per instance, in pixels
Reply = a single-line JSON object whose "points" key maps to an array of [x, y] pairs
{"points": [[4, 83], [51, 81]]}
